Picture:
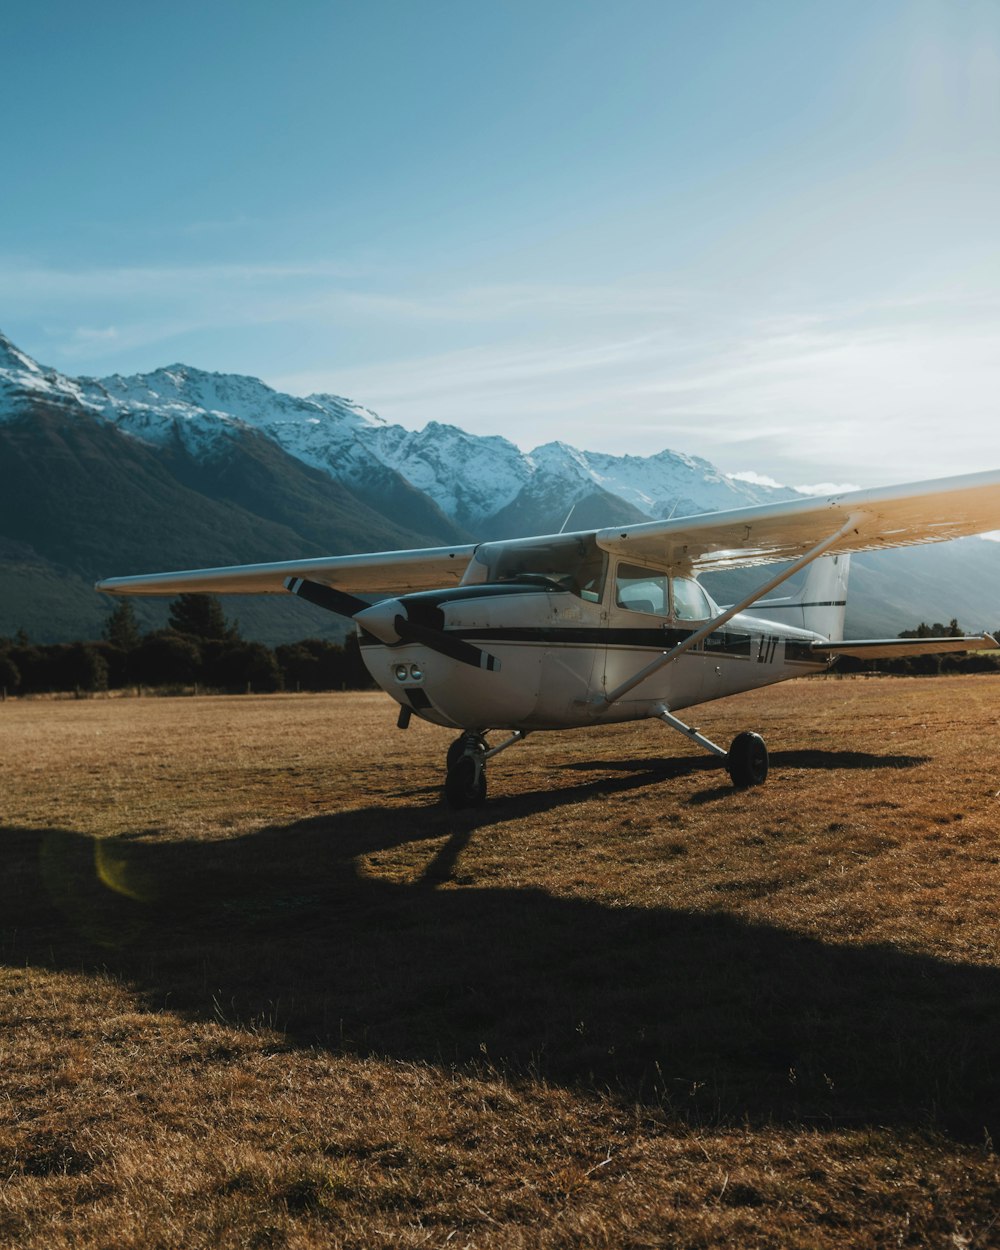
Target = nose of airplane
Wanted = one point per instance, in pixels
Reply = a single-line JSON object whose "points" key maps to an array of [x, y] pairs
{"points": [[390, 622], [380, 620]]}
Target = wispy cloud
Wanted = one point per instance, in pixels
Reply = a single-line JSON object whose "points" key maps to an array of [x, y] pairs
{"points": [[895, 388]]}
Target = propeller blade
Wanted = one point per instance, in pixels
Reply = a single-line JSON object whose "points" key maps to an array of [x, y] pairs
{"points": [[446, 644], [326, 597]]}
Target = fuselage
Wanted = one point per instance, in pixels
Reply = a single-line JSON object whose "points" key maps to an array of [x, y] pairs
{"points": [[559, 651]]}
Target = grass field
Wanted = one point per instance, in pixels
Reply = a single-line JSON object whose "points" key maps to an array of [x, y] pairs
{"points": [[259, 988]]}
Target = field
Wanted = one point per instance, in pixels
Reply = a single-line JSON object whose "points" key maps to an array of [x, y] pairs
{"points": [[259, 988]]}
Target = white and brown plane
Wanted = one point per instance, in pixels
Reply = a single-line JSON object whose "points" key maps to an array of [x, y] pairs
{"points": [[566, 630]]}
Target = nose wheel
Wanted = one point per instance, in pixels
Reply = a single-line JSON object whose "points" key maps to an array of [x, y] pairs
{"points": [[465, 780]]}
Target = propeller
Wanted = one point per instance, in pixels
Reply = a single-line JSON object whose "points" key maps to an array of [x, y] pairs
{"points": [[326, 597], [389, 622], [446, 644]]}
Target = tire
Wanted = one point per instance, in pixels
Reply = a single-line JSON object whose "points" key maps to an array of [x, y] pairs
{"points": [[747, 761], [465, 784]]}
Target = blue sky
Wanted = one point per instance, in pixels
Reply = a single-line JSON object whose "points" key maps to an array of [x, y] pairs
{"points": [[763, 232]]}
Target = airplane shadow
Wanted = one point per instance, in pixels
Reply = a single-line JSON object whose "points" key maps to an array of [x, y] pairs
{"points": [[711, 1017], [648, 771], [683, 766]]}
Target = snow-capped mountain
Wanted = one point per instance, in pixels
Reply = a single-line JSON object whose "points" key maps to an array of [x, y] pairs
{"points": [[181, 468], [471, 478]]}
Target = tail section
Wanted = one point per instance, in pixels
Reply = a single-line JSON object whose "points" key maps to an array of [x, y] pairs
{"points": [[820, 603]]}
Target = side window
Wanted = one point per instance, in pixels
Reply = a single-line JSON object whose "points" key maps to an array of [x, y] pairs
{"points": [[690, 601], [641, 590]]}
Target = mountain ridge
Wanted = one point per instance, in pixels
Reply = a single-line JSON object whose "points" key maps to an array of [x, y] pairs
{"points": [[180, 467]]}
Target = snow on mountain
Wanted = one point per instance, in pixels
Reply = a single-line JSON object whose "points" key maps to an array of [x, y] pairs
{"points": [[21, 377], [470, 477], [673, 482]]}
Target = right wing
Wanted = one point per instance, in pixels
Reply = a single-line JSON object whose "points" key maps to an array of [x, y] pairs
{"points": [[377, 573]]}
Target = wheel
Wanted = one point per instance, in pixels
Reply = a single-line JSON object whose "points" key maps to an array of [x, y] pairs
{"points": [[747, 761], [463, 745], [465, 784]]}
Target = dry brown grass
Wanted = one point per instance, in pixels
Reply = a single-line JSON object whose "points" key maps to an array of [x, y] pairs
{"points": [[260, 989]]}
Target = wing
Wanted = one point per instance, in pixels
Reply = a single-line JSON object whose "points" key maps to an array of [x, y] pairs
{"points": [[895, 516], [382, 572]]}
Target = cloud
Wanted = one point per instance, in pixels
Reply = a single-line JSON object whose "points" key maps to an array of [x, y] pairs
{"points": [[89, 334], [757, 479], [828, 488], [823, 393]]}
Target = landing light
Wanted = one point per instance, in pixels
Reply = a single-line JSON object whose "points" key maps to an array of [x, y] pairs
{"points": [[408, 672]]}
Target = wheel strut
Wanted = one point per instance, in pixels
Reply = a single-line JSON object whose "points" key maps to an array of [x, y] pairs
{"points": [[746, 759]]}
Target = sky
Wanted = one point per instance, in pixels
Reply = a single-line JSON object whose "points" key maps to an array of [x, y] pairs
{"points": [[760, 231]]}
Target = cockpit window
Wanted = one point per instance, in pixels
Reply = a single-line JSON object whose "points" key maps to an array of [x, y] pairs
{"points": [[652, 591], [575, 564], [642, 590], [690, 601]]}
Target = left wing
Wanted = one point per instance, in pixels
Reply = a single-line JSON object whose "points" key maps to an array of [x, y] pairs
{"points": [[381, 572], [895, 516]]}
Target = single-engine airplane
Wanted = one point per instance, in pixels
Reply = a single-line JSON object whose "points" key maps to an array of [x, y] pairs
{"points": [[600, 626]]}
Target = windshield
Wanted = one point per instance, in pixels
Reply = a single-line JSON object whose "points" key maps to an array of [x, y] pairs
{"points": [[575, 564]]}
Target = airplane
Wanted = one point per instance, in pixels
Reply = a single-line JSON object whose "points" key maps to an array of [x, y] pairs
{"points": [[600, 626]]}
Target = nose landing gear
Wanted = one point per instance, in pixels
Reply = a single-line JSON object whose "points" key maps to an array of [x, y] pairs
{"points": [[465, 780]]}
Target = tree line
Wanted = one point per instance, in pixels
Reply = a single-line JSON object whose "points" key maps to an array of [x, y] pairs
{"points": [[200, 648]]}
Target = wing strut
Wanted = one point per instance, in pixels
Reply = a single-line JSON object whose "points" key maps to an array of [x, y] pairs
{"points": [[710, 627]]}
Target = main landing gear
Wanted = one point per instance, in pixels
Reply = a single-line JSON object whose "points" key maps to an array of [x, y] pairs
{"points": [[465, 782], [746, 759]]}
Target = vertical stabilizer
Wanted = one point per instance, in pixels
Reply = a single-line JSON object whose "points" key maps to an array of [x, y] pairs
{"points": [[820, 603]]}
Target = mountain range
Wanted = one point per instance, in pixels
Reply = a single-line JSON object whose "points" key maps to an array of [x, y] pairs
{"points": [[183, 468]]}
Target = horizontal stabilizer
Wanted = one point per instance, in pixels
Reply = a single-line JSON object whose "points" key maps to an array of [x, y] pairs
{"points": [[895, 648]]}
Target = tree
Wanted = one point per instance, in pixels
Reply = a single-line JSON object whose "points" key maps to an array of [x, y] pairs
{"points": [[201, 616], [10, 675], [167, 660], [121, 628], [241, 665], [74, 666], [937, 630]]}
